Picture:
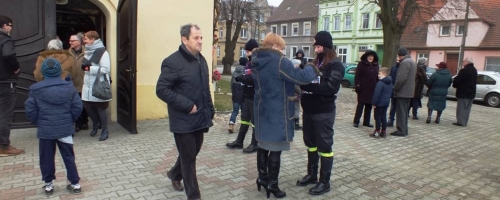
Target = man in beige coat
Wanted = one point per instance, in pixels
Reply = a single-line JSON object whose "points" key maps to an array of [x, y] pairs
{"points": [[77, 50]]}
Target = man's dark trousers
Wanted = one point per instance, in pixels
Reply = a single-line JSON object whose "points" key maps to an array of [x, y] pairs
{"points": [[7, 104], [392, 111], [402, 106], [188, 145]]}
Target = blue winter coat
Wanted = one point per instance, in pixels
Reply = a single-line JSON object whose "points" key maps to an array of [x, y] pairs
{"points": [[383, 92], [438, 84], [53, 105], [275, 78]]}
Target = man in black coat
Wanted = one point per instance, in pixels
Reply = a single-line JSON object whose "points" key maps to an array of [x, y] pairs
{"points": [[465, 82], [184, 85], [9, 70]]}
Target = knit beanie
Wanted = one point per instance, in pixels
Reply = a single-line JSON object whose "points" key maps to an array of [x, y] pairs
{"points": [[243, 61], [51, 68], [251, 44], [323, 38], [402, 51]]}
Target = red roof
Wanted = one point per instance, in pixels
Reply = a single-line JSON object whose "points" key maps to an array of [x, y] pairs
{"points": [[294, 10], [415, 34], [489, 11]]}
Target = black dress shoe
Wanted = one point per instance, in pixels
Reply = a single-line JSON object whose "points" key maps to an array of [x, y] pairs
{"points": [[85, 127], [104, 135], [94, 131], [251, 148], [368, 125], [457, 124], [235, 145], [356, 125], [398, 134], [177, 185]]}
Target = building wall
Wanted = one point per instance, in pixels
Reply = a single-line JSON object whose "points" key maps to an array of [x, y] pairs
{"points": [[300, 40], [436, 56], [475, 34], [155, 41]]}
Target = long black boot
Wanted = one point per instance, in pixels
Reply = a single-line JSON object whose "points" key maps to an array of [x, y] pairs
{"points": [[312, 170], [273, 168], [238, 143], [323, 186], [262, 158], [95, 128]]}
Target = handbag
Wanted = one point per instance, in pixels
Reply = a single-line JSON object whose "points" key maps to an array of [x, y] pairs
{"points": [[101, 89]]}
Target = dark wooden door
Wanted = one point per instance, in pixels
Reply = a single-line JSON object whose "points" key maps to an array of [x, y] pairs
{"points": [[126, 70], [34, 26], [452, 63]]}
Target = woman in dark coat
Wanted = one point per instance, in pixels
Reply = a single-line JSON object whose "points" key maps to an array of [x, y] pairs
{"points": [[275, 78], [420, 81], [365, 80], [438, 85]]}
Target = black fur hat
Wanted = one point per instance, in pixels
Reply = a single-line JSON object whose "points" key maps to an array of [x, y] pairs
{"points": [[243, 61], [251, 44], [324, 39]]}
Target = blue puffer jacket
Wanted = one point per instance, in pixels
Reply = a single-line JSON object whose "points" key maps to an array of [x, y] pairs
{"points": [[383, 92], [53, 105]]}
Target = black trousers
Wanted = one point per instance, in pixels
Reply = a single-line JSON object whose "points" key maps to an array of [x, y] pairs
{"points": [[380, 114], [47, 149], [392, 111], [367, 113], [188, 145], [84, 117], [318, 132], [402, 106], [7, 103], [247, 121]]}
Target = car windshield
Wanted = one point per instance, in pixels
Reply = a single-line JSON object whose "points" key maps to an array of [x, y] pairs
{"points": [[431, 70]]}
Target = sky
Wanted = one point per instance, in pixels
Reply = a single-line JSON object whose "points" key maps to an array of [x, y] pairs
{"points": [[274, 2]]}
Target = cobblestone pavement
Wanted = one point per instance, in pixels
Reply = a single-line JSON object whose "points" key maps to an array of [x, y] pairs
{"points": [[436, 161]]}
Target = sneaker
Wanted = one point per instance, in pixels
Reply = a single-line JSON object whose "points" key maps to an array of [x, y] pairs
{"points": [[375, 134], [75, 189], [49, 189], [10, 151]]}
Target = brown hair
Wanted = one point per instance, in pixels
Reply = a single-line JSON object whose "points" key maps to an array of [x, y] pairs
{"points": [[328, 56], [273, 39], [92, 35], [384, 70]]}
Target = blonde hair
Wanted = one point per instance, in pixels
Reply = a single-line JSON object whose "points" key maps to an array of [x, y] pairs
{"points": [[384, 70], [273, 40]]}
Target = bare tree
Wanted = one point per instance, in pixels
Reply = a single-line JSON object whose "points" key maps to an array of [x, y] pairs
{"points": [[235, 13]]}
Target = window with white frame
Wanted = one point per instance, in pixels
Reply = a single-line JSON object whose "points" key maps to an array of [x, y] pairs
{"points": [[293, 51], [221, 33], [422, 55], [295, 29], [362, 48], [444, 30], [218, 51], [492, 64], [460, 30], [243, 33], [336, 23], [274, 28], [366, 21], [378, 22], [243, 52], [307, 28], [342, 54], [284, 28], [326, 23], [262, 35], [307, 51], [348, 22]]}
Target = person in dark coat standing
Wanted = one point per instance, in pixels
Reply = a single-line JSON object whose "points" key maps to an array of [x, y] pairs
{"points": [[247, 113], [420, 81], [365, 81], [318, 104], [237, 94], [404, 90], [438, 85], [275, 78], [300, 56], [185, 86], [392, 111], [465, 82], [53, 106], [380, 101]]}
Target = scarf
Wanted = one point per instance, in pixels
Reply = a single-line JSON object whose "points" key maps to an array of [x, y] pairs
{"points": [[90, 48]]}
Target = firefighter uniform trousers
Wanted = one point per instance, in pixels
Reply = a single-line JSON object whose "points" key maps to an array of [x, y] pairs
{"points": [[246, 121]]}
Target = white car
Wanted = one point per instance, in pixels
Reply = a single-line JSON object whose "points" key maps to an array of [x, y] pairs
{"points": [[487, 88]]}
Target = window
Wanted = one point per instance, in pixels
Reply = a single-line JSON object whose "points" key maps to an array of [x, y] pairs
{"points": [[283, 29], [307, 51], [243, 52], [343, 54], [348, 19], [460, 30], [293, 51], [362, 48], [243, 33], [295, 29], [445, 31], [307, 28], [218, 51], [492, 64], [221, 33], [378, 22], [485, 80], [326, 23], [274, 28], [366, 21], [423, 55], [262, 35], [261, 18], [336, 23]]}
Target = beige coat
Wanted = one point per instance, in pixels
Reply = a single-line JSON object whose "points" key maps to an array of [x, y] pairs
{"points": [[78, 80], [67, 65]]}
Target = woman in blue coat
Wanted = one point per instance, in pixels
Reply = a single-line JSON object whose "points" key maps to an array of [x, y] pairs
{"points": [[438, 85], [275, 78]]}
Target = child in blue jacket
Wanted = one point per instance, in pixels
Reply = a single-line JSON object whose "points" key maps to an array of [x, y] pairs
{"points": [[380, 101], [53, 106]]}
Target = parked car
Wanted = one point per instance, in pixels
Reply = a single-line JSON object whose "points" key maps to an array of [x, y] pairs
{"points": [[350, 71], [430, 71], [487, 88]]}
